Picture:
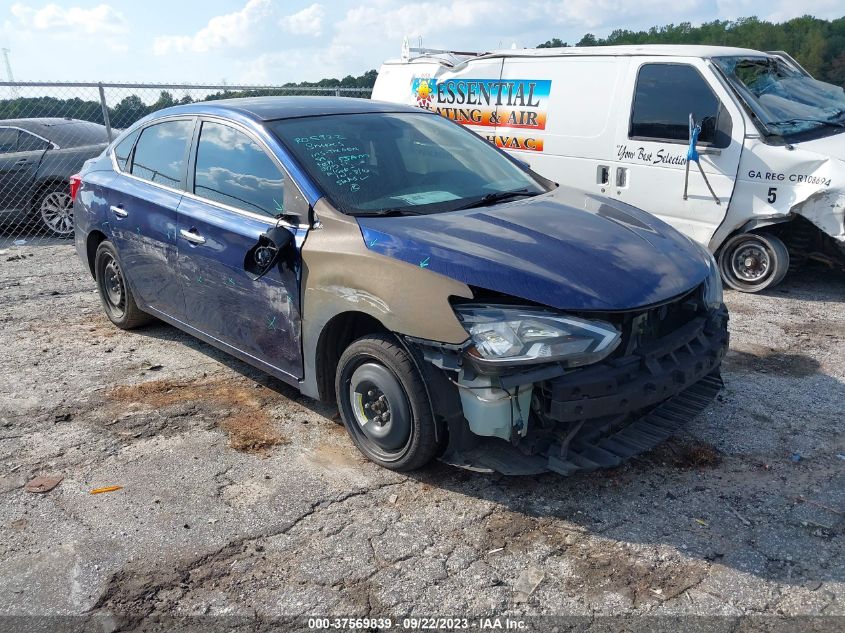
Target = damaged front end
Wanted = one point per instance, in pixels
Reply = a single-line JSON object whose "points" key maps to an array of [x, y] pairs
{"points": [[616, 384]]}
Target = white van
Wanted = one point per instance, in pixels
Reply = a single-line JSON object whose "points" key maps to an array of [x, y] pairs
{"points": [[769, 185]]}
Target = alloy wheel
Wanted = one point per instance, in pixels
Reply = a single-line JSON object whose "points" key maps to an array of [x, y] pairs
{"points": [[57, 212]]}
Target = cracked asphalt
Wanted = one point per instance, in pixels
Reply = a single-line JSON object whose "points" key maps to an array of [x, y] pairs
{"points": [[239, 497]]}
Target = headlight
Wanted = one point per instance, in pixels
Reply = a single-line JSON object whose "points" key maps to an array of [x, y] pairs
{"points": [[504, 335], [713, 297]]}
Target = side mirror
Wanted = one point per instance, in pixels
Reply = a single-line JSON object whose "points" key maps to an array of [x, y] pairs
{"points": [[693, 157], [694, 132], [269, 249]]}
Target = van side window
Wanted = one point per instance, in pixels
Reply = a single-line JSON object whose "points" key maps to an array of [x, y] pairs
{"points": [[160, 154], [665, 96], [234, 170]]}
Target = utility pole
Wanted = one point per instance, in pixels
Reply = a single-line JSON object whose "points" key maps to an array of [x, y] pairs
{"points": [[9, 76]]}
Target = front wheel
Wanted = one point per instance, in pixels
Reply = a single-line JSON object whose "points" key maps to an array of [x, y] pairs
{"points": [[384, 404], [753, 262]]}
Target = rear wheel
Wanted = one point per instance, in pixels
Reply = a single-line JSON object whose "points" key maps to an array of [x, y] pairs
{"points": [[55, 208], [384, 404], [752, 262], [115, 294]]}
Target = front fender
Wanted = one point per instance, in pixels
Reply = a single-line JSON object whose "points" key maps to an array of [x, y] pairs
{"points": [[339, 274]]}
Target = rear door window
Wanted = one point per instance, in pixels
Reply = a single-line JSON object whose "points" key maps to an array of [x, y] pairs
{"points": [[8, 140], [30, 143], [161, 153], [665, 96], [233, 169], [123, 149]]}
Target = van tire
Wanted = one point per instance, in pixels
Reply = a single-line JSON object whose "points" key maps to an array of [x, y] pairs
{"points": [[753, 262], [115, 294], [376, 377]]}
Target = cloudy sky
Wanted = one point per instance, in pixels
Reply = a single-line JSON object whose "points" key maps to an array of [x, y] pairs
{"points": [[273, 41]]}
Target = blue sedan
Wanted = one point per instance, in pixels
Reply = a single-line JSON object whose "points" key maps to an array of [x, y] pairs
{"points": [[452, 302]]}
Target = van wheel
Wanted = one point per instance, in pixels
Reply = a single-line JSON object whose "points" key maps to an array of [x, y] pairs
{"points": [[752, 262], [384, 404], [115, 295]]}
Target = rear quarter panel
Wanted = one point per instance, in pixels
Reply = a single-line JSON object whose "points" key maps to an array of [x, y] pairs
{"points": [[60, 164], [90, 209]]}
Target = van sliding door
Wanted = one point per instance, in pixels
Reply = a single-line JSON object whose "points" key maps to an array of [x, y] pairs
{"points": [[557, 115]]}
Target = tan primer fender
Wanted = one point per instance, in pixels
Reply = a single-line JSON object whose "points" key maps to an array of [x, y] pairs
{"points": [[340, 274]]}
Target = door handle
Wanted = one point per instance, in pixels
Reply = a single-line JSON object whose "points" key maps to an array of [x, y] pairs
{"points": [[22, 161], [192, 237], [622, 177], [119, 211]]}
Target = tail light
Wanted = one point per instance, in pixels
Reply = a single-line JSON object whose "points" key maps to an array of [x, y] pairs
{"points": [[75, 181]]}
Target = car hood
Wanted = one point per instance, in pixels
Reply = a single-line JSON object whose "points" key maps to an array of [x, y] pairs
{"points": [[564, 249]]}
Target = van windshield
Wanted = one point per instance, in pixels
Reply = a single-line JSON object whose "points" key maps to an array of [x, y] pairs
{"points": [[401, 163], [786, 100]]}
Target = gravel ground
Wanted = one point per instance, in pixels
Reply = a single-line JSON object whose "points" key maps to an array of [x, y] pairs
{"points": [[240, 497]]}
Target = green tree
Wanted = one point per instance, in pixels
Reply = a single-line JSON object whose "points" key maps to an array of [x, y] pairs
{"points": [[553, 43], [819, 45]]}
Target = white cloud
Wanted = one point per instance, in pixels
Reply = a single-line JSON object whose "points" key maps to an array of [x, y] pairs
{"points": [[100, 20], [309, 21], [232, 29], [370, 31]]}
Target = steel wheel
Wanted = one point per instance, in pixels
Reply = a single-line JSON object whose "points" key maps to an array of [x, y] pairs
{"points": [[56, 210], [113, 286], [752, 262], [380, 408], [384, 404]]}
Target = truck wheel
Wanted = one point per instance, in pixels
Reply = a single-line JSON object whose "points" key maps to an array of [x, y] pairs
{"points": [[55, 208], [384, 404], [115, 295], [751, 262]]}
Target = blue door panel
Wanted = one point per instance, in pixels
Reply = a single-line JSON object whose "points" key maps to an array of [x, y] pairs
{"points": [[260, 318], [146, 241]]}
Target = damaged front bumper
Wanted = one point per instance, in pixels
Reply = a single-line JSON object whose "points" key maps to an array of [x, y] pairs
{"points": [[588, 418]]}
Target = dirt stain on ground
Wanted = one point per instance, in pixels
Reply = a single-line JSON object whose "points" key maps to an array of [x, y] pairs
{"points": [[241, 407], [758, 358], [335, 457], [605, 567], [686, 454]]}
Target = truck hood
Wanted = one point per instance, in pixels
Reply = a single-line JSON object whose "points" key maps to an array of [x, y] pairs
{"points": [[816, 171], [564, 249], [832, 146]]}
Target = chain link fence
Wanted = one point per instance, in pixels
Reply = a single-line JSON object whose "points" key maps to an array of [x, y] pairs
{"points": [[47, 130]]}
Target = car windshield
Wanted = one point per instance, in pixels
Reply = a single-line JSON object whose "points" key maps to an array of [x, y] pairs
{"points": [[402, 163], [786, 100]]}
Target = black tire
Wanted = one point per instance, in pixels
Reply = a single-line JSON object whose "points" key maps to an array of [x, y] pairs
{"points": [[752, 262], [375, 376], [115, 294], [55, 210]]}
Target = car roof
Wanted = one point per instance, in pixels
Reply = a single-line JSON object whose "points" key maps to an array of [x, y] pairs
{"points": [[274, 108], [64, 132]]}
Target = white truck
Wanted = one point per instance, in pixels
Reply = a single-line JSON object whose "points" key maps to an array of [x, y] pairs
{"points": [[767, 190]]}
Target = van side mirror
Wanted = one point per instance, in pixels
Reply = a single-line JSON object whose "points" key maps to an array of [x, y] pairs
{"points": [[693, 157], [271, 247], [694, 132]]}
